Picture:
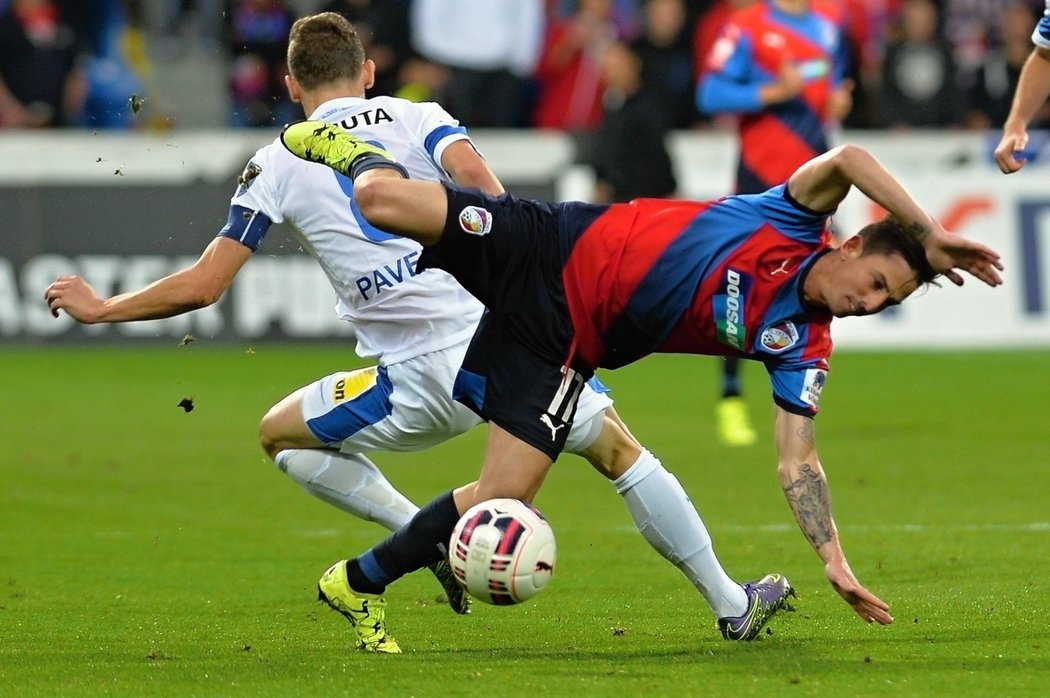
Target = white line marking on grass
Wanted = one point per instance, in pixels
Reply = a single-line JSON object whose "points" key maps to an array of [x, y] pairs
{"points": [[1035, 527]]}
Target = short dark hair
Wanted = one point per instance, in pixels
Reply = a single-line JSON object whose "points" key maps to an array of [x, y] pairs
{"points": [[324, 48], [889, 236]]}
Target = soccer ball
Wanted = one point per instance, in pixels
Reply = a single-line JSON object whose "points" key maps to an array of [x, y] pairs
{"points": [[502, 551]]}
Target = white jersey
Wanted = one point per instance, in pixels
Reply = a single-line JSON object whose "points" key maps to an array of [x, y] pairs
{"points": [[397, 313], [1041, 35]]}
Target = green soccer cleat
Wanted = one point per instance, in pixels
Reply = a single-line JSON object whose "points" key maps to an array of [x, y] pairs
{"points": [[328, 144], [366, 612], [455, 594], [764, 598], [734, 424]]}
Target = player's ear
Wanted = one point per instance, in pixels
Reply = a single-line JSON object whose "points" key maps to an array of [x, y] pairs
{"points": [[294, 91], [852, 248], [368, 74]]}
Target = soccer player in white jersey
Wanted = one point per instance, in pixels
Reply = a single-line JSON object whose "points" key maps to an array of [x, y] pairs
{"points": [[1033, 87], [416, 326]]}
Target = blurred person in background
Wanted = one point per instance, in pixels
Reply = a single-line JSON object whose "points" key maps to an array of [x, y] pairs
{"points": [[919, 75], [257, 41], [40, 84], [490, 48], [665, 50], [569, 74], [995, 81], [629, 154], [112, 55], [778, 67], [1033, 88]]}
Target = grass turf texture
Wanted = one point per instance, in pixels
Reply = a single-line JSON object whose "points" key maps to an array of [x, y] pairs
{"points": [[149, 551]]}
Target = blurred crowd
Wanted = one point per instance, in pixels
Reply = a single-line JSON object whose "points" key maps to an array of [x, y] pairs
{"points": [[552, 64]]}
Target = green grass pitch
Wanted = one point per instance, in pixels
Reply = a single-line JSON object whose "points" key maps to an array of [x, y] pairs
{"points": [[146, 551]]}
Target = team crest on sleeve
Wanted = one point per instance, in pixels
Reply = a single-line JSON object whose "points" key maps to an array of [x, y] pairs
{"points": [[475, 220], [247, 178], [813, 386], [779, 337]]}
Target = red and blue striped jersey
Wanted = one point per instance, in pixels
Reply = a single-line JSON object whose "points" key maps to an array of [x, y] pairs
{"points": [[718, 277], [775, 139]]}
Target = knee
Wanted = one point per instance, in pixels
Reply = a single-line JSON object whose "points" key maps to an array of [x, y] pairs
{"points": [[615, 450], [269, 438]]}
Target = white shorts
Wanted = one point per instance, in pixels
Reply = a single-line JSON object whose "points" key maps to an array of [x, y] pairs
{"points": [[408, 406]]}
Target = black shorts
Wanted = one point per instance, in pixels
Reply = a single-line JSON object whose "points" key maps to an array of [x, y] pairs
{"points": [[518, 371]]}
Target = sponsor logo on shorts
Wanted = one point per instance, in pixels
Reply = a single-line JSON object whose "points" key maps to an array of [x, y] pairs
{"points": [[729, 305], [779, 337], [813, 386], [475, 220]]}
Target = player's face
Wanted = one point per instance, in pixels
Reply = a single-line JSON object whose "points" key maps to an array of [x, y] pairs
{"points": [[867, 284]]}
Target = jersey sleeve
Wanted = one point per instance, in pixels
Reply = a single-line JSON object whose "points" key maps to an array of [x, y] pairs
{"points": [[437, 130], [253, 207], [777, 206], [728, 84], [1041, 35], [797, 387]]}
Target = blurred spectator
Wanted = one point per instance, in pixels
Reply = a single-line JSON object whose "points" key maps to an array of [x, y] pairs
{"points": [[778, 66], [708, 28], [490, 48], [629, 153], [175, 21], [971, 29], [569, 75], [996, 78], [113, 59], [39, 84], [383, 26], [258, 42], [666, 57], [919, 85]]}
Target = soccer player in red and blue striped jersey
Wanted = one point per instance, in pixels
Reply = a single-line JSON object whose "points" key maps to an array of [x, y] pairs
{"points": [[778, 66], [571, 287]]}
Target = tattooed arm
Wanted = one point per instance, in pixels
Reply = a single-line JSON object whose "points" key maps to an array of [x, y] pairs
{"points": [[806, 489]]}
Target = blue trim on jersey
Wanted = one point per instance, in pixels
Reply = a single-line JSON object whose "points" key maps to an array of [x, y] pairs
{"points": [[246, 226], [367, 229], [469, 389], [350, 417], [436, 136], [597, 386]]}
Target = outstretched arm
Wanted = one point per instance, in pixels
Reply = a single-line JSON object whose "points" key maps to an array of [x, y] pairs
{"points": [[806, 489], [188, 289], [822, 183], [1033, 87]]}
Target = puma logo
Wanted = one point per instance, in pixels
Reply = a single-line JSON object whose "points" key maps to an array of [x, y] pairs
{"points": [[782, 269], [545, 418]]}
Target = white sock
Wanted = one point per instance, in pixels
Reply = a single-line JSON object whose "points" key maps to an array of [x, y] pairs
{"points": [[348, 481], [667, 519]]}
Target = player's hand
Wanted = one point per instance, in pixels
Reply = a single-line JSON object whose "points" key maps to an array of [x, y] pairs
{"points": [[947, 253], [788, 85], [75, 296], [1013, 142], [840, 102], [865, 604]]}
